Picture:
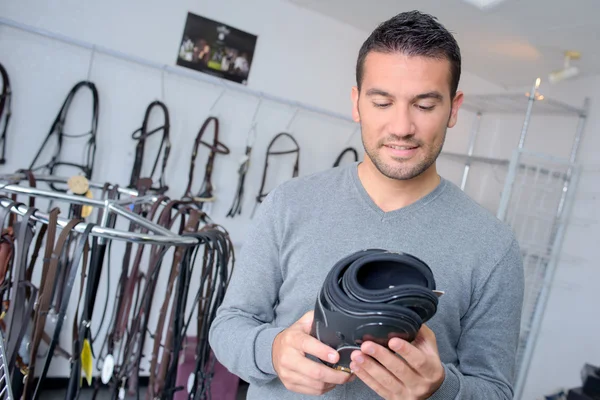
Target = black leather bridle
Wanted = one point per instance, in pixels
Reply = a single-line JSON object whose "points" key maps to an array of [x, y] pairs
{"points": [[352, 150], [57, 130], [165, 147], [5, 107], [217, 252], [236, 207], [205, 194], [261, 194]]}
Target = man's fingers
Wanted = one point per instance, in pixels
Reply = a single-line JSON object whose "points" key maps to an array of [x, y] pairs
{"points": [[319, 372], [306, 385], [375, 375], [397, 366], [305, 321], [312, 346], [413, 355]]}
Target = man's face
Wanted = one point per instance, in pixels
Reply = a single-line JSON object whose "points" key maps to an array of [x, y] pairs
{"points": [[404, 108]]}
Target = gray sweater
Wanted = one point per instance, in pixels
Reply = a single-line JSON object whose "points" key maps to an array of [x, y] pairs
{"points": [[307, 224]]}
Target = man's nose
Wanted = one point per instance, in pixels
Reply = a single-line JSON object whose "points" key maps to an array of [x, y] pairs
{"points": [[401, 123]]}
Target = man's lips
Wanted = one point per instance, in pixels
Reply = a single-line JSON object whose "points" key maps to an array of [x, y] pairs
{"points": [[401, 150]]}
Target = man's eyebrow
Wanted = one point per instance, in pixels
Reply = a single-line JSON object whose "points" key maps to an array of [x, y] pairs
{"points": [[378, 92], [430, 95]]}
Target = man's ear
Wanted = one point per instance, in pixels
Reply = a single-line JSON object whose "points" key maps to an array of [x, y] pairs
{"points": [[456, 103], [355, 112]]}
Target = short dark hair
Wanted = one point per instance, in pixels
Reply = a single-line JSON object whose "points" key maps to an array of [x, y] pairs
{"points": [[415, 34]]}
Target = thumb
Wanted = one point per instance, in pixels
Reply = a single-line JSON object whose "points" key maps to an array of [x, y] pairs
{"points": [[305, 322]]}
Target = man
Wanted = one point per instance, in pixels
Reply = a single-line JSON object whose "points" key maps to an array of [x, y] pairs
{"points": [[406, 97]]}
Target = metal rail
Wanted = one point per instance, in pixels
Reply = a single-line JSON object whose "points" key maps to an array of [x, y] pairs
{"points": [[5, 386], [161, 235]]}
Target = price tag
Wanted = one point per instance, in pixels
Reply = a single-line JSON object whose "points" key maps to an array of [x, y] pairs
{"points": [[78, 184], [86, 211], [190, 383], [108, 368]]}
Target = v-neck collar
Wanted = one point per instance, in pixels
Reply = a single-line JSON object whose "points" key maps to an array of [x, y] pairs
{"points": [[385, 215]]}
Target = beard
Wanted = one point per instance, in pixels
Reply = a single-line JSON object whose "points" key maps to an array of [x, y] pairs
{"points": [[404, 169]]}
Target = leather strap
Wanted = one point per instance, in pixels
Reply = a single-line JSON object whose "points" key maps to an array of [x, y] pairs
{"points": [[57, 130], [5, 111], [158, 370], [141, 135], [209, 295], [7, 241], [261, 194], [213, 285], [32, 183], [83, 331], [205, 193], [128, 334], [352, 150], [236, 207], [42, 306], [142, 308], [81, 247], [20, 308]]}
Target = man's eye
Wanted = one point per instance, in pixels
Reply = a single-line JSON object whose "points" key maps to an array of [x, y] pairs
{"points": [[382, 105], [425, 108]]}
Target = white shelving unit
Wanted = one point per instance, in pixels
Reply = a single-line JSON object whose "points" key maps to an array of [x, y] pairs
{"points": [[535, 200]]}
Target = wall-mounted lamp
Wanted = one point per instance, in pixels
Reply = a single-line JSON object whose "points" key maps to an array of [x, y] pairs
{"points": [[568, 71]]}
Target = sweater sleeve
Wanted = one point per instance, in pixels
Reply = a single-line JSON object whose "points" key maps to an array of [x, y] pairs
{"points": [[241, 335], [490, 336]]}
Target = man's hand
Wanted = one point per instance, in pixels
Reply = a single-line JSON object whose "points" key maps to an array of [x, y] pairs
{"points": [[415, 372], [298, 373]]}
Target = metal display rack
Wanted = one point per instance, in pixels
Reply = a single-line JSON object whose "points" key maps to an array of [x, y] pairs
{"points": [[5, 388], [156, 235], [537, 194]]}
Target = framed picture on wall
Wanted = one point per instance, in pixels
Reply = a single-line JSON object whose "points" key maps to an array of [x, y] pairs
{"points": [[216, 48]]}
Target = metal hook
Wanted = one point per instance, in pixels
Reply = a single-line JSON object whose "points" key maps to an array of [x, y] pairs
{"points": [[352, 134], [252, 132], [162, 82], [292, 119], [257, 108], [217, 100], [91, 62]]}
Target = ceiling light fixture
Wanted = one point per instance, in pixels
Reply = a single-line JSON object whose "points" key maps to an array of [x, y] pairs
{"points": [[484, 4], [568, 71]]}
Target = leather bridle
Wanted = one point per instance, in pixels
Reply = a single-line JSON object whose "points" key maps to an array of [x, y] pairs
{"points": [[236, 207], [81, 250], [5, 106], [205, 193], [261, 194], [351, 150], [57, 130], [165, 147], [217, 252]]}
